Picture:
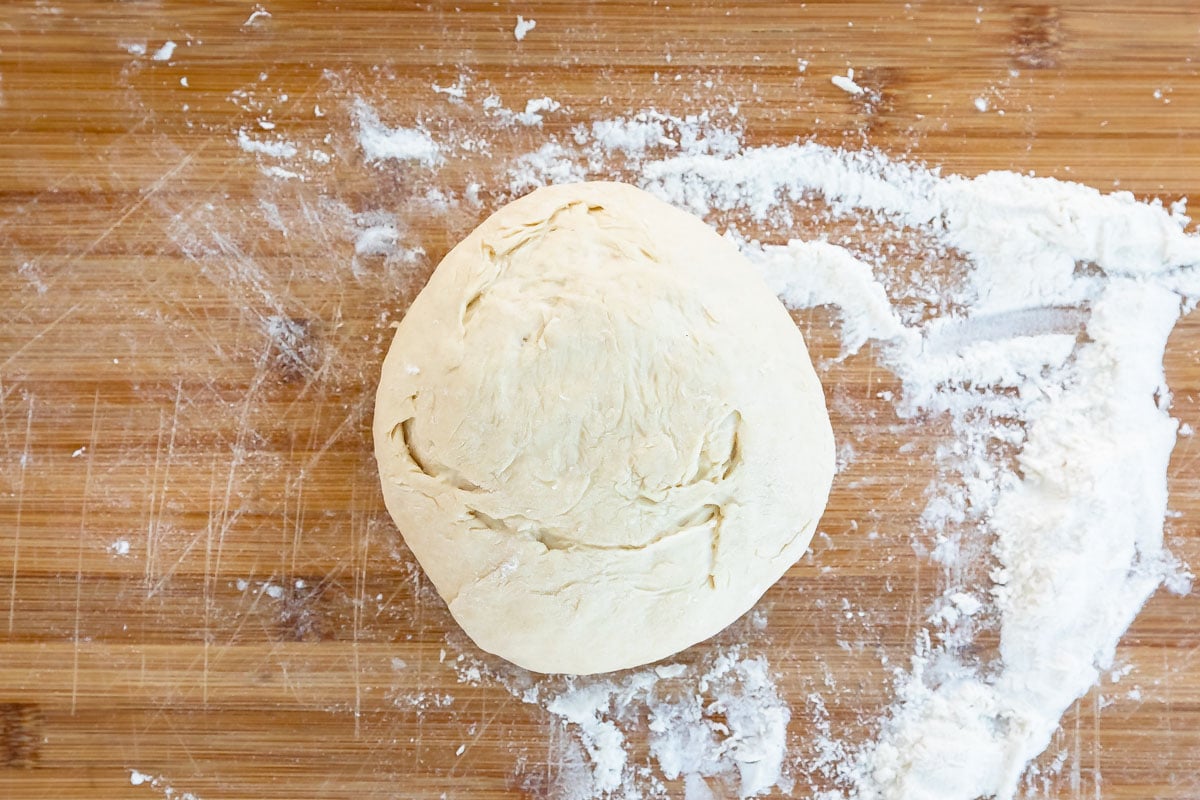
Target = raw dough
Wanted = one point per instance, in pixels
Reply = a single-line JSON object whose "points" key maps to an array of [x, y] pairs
{"points": [[599, 431]]}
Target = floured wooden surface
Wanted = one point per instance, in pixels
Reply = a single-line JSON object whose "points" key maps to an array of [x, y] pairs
{"points": [[199, 588]]}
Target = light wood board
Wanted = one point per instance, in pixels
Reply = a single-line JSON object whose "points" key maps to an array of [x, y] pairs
{"points": [[145, 257]]}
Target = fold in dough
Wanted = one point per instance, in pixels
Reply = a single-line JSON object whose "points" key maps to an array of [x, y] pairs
{"points": [[599, 431]]}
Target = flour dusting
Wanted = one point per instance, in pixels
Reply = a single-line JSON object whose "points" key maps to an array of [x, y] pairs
{"points": [[1028, 323], [271, 148], [1074, 522], [382, 143], [227, 272], [1050, 378], [159, 784], [724, 724]]}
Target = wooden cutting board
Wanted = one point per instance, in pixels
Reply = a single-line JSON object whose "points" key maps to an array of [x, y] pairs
{"points": [[198, 581]]}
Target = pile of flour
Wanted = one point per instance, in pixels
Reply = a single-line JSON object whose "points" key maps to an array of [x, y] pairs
{"points": [[723, 719], [1042, 351]]}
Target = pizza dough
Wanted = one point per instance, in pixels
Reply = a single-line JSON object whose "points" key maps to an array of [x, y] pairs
{"points": [[599, 431]]}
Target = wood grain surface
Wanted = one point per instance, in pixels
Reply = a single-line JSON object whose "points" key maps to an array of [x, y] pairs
{"points": [[189, 349]]}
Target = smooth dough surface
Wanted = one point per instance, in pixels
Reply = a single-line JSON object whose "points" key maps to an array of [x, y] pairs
{"points": [[599, 431]]}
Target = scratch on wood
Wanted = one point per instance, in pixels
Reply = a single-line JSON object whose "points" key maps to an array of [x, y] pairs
{"points": [[241, 270], [154, 189], [246, 614], [158, 448], [1075, 775], [297, 530], [53, 189], [1096, 745], [291, 685], [418, 745], [129, 210], [356, 413], [209, 577], [158, 495], [297, 521], [165, 577], [87, 484], [4, 395], [49, 327], [204, 669], [25, 453], [480, 730], [239, 453], [389, 601], [912, 612], [187, 751], [360, 578]]}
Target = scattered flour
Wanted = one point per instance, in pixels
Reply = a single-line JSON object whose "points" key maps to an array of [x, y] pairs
{"points": [[1058, 365], [423, 701], [273, 149], [267, 588], [1042, 358], [531, 117], [650, 135], [161, 784], [258, 13], [523, 27], [377, 240], [455, 91], [377, 235], [165, 52], [381, 143], [1077, 531], [846, 83], [276, 171], [548, 164], [632, 137], [728, 722], [535, 108], [1042, 355]]}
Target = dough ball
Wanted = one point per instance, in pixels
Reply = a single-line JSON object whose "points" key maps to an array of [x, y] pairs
{"points": [[599, 431]]}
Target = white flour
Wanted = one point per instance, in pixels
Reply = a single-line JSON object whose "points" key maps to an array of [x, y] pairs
{"points": [[846, 83], [1038, 344], [724, 721], [1077, 523], [159, 784], [165, 52], [272, 149], [381, 143], [523, 27]]}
